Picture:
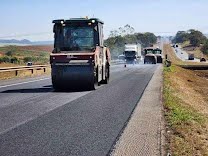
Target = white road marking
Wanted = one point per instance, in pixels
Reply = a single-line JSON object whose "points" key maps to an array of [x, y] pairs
{"points": [[23, 83]]}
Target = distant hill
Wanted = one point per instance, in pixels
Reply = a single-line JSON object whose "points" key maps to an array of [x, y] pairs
{"points": [[42, 43], [16, 41], [25, 42]]}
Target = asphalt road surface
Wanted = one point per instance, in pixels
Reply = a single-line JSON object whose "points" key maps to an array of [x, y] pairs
{"points": [[36, 120]]}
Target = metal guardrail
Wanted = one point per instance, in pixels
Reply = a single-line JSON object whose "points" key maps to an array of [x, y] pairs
{"points": [[195, 67], [20, 68]]}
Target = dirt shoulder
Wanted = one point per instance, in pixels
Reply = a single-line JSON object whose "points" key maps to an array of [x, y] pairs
{"points": [[186, 109]]}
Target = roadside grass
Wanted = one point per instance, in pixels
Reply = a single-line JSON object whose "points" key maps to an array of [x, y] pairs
{"points": [[185, 95], [24, 55], [8, 65], [178, 114], [38, 55], [184, 121]]}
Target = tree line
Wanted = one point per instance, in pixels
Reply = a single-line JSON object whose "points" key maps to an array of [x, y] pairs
{"points": [[117, 39], [195, 37]]}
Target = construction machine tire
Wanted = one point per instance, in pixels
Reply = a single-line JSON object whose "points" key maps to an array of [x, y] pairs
{"points": [[96, 78], [76, 77], [159, 59], [153, 61], [107, 75], [55, 85]]}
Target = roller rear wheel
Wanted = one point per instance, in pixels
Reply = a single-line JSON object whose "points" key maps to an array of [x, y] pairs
{"points": [[107, 75]]}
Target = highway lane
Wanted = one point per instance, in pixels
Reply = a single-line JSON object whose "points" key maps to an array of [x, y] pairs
{"points": [[183, 55], [23, 100], [35, 120]]}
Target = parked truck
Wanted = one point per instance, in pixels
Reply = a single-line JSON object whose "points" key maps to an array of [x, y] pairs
{"points": [[79, 58], [132, 53]]}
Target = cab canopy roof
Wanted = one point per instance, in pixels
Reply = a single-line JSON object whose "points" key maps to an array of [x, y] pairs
{"points": [[158, 49], [149, 48], [78, 20]]}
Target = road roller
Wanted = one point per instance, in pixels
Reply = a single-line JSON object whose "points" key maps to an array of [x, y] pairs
{"points": [[158, 54], [149, 56], [79, 58]]}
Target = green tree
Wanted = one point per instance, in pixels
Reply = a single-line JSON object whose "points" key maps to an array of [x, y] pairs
{"points": [[196, 37], [9, 53], [126, 30], [116, 45], [181, 37], [14, 60], [28, 59], [126, 34], [5, 59], [204, 48], [147, 39], [150, 38], [114, 33]]}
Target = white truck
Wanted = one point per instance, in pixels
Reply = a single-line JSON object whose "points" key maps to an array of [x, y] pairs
{"points": [[132, 53]]}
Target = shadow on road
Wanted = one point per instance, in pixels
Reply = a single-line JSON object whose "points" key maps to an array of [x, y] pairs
{"points": [[32, 90], [45, 89]]}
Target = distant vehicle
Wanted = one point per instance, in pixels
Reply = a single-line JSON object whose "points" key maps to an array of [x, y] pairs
{"points": [[121, 57], [202, 59], [29, 63], [149, 56], [190, 56], [132, 53], [174, 46]]}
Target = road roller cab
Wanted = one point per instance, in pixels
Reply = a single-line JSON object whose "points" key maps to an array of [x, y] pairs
{"points": [[79, 58]]}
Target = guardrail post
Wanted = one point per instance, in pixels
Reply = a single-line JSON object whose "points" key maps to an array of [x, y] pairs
{"points": [[32, 71], [168, 63], [16, 72], [44, 69]]}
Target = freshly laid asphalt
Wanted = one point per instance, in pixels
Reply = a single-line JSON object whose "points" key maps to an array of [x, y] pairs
{"points": [[36, 120]]}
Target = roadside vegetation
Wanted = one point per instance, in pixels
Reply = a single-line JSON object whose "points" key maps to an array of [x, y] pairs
{"points": [[186, 108], [193, 41], [127, 34], [174, 59], [17, 55]]}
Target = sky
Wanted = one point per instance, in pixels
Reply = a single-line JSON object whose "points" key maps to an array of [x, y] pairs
{"points": [[32, 19]]}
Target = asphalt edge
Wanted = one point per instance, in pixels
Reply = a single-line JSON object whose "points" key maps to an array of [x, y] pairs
{"points": [[110, 152], [161, 140]]}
